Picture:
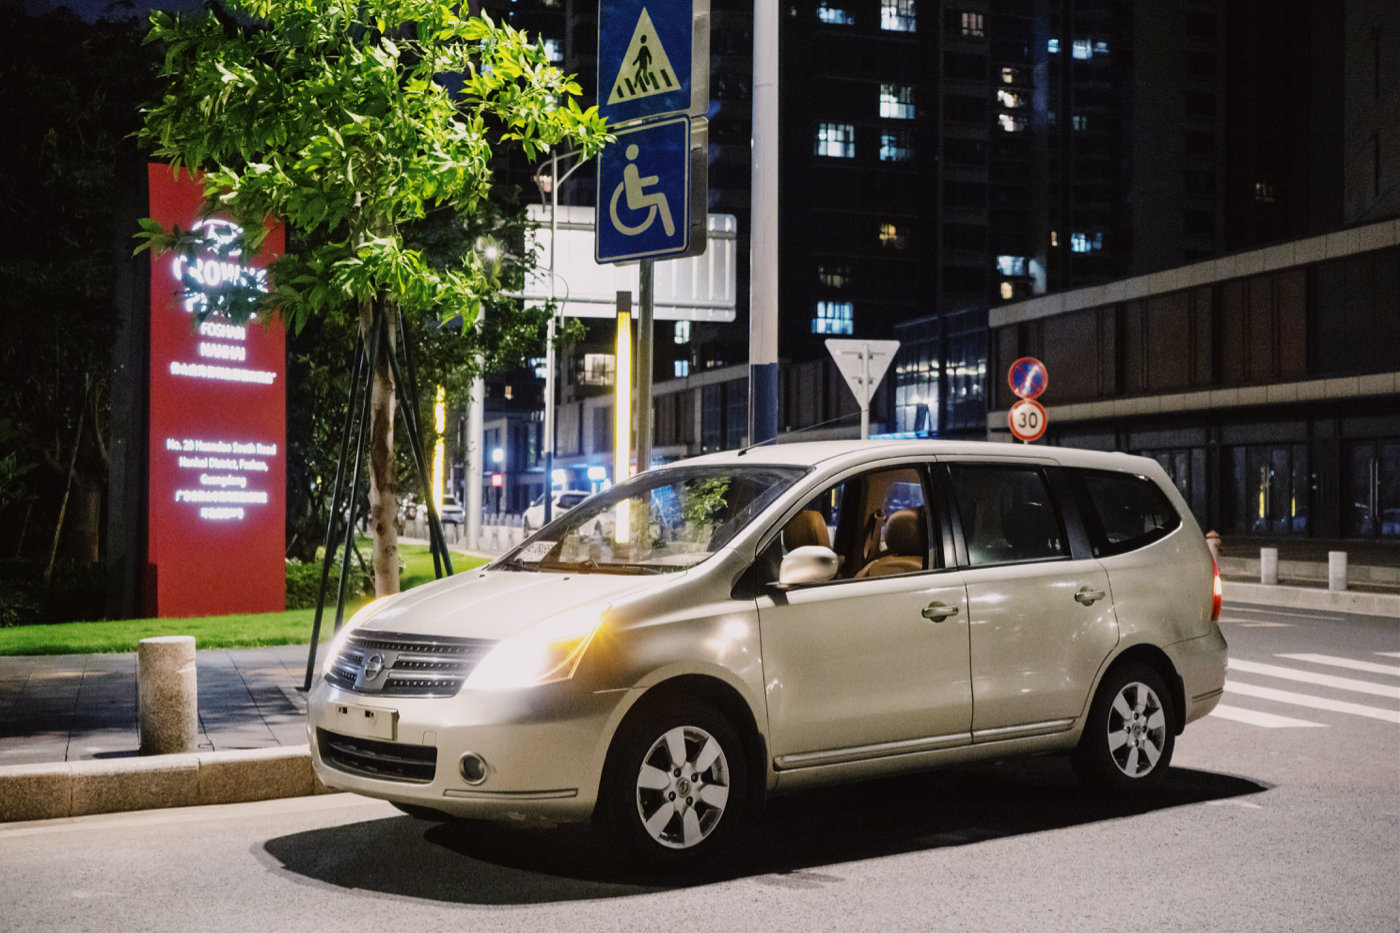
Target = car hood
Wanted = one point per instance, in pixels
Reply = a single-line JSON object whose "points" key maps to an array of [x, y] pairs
{"points": [[496, 604]]}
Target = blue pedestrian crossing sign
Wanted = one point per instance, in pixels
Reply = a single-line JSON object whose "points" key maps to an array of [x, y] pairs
{"points": [[644, 58], [644, 192]]}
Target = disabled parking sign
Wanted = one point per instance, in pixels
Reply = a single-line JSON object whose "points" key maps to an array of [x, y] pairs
{"points": [[644, 192]]}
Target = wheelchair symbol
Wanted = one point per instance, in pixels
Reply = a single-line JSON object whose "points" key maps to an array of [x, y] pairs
{"points": [[634, 185]]}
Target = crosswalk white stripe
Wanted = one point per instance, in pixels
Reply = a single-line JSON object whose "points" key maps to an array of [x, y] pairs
{"points": [[1389, 654], [1369, 667], [1267, 720], [1303, 699], [1321, 680]]}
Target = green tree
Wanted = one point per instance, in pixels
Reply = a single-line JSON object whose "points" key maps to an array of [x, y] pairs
{"points": [[335, 118]]}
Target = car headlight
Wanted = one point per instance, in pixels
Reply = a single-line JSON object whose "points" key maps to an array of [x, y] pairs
{"points": [[367, 611], [544, 653]]}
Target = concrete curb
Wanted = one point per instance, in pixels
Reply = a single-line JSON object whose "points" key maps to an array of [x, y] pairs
{"points": [[81, 788], [1386, 605]]}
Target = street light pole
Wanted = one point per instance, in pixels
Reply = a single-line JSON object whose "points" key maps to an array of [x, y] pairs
{"points": [[553, 182]]}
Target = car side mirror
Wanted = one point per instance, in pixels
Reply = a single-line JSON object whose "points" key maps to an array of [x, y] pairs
{"points": [[810, 564]]}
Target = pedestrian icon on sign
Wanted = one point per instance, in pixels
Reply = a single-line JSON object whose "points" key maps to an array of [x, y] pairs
{"points": [[634, 186], [642, 75]]}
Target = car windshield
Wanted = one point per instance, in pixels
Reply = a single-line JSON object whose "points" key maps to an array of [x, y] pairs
{"points": [[663, 520]]}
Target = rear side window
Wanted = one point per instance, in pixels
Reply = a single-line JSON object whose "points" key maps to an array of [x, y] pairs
{"points": [[1125, 512], [1006, 514]]}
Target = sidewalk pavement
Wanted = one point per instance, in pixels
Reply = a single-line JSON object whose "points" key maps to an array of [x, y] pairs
{"points": [[69, 735]]}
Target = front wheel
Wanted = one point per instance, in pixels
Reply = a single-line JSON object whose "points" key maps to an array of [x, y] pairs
{"points": [[1128, 739], [674, 789]]}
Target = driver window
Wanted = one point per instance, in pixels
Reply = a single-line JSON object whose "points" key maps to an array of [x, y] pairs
{"points": [[877, 523]]}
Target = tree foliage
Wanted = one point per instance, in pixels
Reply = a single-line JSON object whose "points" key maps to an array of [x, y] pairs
{"points": [[335, 118]]}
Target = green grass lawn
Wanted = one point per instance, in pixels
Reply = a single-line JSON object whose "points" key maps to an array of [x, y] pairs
{"points": [[232, 631]]}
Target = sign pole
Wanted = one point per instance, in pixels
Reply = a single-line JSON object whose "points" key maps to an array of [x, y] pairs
{"points": [[644, 350]]}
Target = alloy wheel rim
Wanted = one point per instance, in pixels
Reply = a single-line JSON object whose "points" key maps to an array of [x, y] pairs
{"points": [[682, 787], [1137, 730]]}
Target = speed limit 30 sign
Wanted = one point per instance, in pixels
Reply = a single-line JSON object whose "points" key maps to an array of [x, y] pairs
{"points": [[1027, 420]]}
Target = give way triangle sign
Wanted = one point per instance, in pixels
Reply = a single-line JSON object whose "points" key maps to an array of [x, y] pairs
{"points": [[863, 363]]}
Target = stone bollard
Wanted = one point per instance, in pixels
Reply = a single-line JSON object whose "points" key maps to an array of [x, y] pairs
{"points": [[1213, 542], [167, 701], [1336, 570], [1268, 566]]}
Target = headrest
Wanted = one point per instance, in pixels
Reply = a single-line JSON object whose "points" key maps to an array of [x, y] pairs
{"points": [[904, 534], [805, 529]]}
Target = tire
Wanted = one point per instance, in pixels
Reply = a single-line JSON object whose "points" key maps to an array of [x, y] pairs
{"points": [[674, 789], [1130, 733]]}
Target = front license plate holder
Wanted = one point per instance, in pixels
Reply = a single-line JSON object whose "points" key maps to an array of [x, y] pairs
{"points": [[366, 722]]}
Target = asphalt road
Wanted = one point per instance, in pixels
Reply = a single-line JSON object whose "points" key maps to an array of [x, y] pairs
{"points": [[1281, 813]]}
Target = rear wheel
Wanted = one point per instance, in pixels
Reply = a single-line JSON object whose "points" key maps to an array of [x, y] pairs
{"points": [[1129, 737], [674, 789]]}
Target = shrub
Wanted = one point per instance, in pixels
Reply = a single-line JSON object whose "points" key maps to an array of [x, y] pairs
{"points": [[304, 582]]}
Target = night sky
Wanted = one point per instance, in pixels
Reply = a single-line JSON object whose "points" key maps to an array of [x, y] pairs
{"points": [[110, 9]]}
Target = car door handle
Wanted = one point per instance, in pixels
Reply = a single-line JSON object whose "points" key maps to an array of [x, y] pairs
{"points": [[1088, 597], [937, 612]]}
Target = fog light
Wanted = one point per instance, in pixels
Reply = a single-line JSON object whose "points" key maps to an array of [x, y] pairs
{"points": [[473, 768]]}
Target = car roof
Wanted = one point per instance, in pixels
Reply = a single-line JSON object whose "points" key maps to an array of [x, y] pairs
{"points": [[830, 453]]}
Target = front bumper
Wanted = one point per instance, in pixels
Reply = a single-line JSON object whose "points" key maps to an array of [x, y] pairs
{"points": [[541, 750]]}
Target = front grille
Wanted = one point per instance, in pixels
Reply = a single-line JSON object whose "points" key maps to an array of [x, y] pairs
{"points": [[400, 665], [414, 764]]}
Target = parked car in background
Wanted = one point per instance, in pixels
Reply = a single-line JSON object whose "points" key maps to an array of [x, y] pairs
{"points": [[710, 633], [563, 501]]}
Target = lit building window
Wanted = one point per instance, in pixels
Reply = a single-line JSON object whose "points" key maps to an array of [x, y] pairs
{"points": [[1082, 49], [1011, 265], [1011, 123], [896, 101], [890, 236], [828, 12], [1053, 46], [972, 24], [1264, 192], [682, 332], [896, 146], [1100, 48], [682, 368], [553, 50], [1007, 291], [837, 140], [1083, 242], [1054, 238], [897, 15], [1081, 122], [1013, 76], [834, 275], [1010, 99], [833, 317]]}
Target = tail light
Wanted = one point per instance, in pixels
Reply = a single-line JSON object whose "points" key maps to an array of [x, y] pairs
{"points": [[1215, 605]]}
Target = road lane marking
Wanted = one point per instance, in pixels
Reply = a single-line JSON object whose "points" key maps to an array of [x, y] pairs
{"points": [[1267, 720], [1321, 680], [1389, 654], [1304, 699], [1369, 667]]}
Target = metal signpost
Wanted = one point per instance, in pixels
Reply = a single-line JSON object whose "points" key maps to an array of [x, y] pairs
{"points": [[653, 80], [863, 363]]}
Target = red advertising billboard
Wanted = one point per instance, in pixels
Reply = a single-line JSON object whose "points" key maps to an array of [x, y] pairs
{"points": [[217, 491]]}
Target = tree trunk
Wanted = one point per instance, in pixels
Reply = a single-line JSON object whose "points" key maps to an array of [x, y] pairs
{"points": [[383, 493]]}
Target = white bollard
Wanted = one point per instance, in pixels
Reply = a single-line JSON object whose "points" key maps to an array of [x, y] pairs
{"points": [[1268, 566], [166, 695], [1336, 570]]}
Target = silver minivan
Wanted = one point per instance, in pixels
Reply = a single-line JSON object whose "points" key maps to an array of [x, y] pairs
{"points": [[675, 650]]}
